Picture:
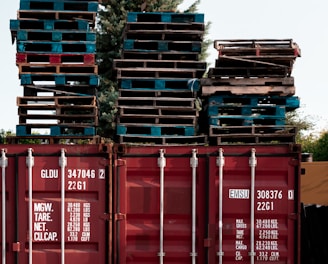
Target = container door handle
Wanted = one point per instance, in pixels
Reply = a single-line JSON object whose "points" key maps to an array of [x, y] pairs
{"points": [[220, 163], [4, 164]]}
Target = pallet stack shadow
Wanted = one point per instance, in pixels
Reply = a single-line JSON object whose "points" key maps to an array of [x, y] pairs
{"points": [[56, 45], [249, 91], [158, 78]]}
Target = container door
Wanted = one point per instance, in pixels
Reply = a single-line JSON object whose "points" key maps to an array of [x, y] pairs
{"points": [[259, 217], [154, 207], [61, 205]]}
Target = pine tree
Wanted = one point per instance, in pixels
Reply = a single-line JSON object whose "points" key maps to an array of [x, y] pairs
{"points": [[112, 18]]}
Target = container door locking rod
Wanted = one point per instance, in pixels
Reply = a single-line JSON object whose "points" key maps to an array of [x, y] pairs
{"points": [[252, 164], [4, 164], [193, 165], [30, 164], [62, 165], [161, 162]]}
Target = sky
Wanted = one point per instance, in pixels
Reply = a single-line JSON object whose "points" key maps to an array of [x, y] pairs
{"points": [[303, 21]]}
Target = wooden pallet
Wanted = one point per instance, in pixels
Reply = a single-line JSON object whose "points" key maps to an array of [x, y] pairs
{"points": [[47, 24], [248, 72], [71, 47], [163, 140], [168, 17], [161, 45], [44, 69], [277, 47], [179, 119], [162, 64], [55, 130], [159, 84], [256, 81], [56, 35], [57, 15], [59, 90], [134, 94], [246, 89], [159, 73], [155, 130], [85, 59], [91, 6], [168, 35], [256, 101], [239, 86], [252, 134], [240, 120], [160, 55], [141, 27], [172, 111], [60, 79], [158, 102]]}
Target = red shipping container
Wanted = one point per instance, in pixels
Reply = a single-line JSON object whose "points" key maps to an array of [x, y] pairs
{"points": [[55, 204], [227, 204]]}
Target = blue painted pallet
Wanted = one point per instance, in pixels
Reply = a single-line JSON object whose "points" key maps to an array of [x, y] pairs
{"points": [[56, 47], [61, 79], [26, 130], [59, 5], [155, 130], [165, 17], [162, 45], [43, 24], [290, 102], [161, 84], [228, 120], [278, 111], [42, 35]]}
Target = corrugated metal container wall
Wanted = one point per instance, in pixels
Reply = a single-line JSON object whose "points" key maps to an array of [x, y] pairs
{"points": [[55, 204], [229, 204]]}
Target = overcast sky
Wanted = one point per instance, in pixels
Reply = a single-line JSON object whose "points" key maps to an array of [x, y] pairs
{"points": [[303, 21]]}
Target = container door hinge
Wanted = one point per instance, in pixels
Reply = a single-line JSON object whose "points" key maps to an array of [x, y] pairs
{"points": [[120, 162], [207, 242], [120, 217], [16, 247]]}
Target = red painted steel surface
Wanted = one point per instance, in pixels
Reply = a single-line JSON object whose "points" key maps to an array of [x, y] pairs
{"points": [[275, 200], [86, 205]]}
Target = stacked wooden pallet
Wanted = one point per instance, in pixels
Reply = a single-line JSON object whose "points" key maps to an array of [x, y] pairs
{"points": [[158, 77], [56, 45], [249, 91]]}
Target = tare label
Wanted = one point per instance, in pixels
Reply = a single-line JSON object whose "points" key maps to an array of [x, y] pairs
{"points": [[42, 218]]}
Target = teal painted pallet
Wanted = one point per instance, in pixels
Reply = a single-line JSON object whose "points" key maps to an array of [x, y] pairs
{"points": [[46, 24], [60, 79], [42, 35], [90, 6], [155, 130], [56, 47], [160, 84], [165, 17], [161, 45]]}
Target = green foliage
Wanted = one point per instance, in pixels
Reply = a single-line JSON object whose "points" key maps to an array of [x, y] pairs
{"points": [[320, 152], [302, 123], [110, 35]]}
